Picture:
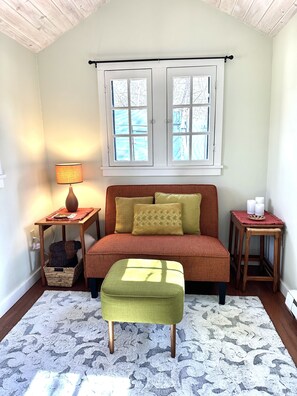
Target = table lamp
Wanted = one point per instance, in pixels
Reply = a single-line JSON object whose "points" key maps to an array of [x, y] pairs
{"points": [[69, 173]]}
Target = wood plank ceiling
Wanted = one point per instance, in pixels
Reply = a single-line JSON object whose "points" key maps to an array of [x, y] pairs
{"points": [[36, 24], [268, 16]]}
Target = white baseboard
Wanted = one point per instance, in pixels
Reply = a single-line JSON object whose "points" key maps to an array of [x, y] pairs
{"points": [[283, 288], [13, 297]]}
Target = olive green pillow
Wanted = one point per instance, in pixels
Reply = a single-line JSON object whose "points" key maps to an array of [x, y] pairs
{"points": [[190, 209], [125, 212], [165, 219]]}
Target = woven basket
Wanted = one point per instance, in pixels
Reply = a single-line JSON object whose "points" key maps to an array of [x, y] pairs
{"points": [[62, 276]]}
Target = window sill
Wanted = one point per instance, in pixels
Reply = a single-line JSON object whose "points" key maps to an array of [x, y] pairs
{"points": [[215, 170]]}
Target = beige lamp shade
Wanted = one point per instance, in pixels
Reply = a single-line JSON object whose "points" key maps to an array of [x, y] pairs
{"points": [[69, 173]]}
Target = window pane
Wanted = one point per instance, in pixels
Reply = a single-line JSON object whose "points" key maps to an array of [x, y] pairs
{"points": [[120, 122], [181, 148], [140, 148], [200, 120], [138, 92], [139, 121], [180, 120], [199, 147], [122, 149], [119, 93], [201, 89], [181, 90]]}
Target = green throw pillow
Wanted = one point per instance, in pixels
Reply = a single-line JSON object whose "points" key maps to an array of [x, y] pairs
{"points": [[125, 212], [190, 209], [158, 219]]}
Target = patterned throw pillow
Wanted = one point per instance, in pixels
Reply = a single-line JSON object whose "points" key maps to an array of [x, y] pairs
{"points": [[164, 219], [125, 212], [190, 209]]}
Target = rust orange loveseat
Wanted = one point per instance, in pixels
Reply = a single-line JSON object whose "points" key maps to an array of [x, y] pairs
{"points": [[204, 258]]}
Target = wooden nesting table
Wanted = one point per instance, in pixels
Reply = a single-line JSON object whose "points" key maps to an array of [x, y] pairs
{"points": [[241, 230]]}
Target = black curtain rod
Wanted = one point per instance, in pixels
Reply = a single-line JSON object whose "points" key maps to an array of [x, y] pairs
{"points": [[94, 62]]}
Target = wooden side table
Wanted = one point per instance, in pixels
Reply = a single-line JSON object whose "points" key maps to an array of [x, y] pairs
{"points": [[241, 227], [83, 224]]}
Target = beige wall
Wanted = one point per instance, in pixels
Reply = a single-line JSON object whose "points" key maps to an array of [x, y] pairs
{"points": [[26, 193], [282, 164], [140, 29]]}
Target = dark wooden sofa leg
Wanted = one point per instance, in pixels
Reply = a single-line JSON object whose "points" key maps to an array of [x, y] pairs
{"points": [[93, 286], [222, 292]]}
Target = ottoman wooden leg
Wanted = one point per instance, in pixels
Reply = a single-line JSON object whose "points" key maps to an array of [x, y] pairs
{"points": [[111, 336], [173, 339]]}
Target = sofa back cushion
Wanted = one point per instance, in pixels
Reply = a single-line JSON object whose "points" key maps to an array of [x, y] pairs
{"points": [[190, 209], [125, 212], [208, 207]]}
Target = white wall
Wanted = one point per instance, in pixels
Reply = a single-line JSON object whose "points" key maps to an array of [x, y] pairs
{"points": [[144, 29], [25, 197], [282, 164]]}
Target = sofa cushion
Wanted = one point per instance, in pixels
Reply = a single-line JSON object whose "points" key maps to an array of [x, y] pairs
{"points": [[158, 219], [204, 258], [125, 211], [190, 209]]}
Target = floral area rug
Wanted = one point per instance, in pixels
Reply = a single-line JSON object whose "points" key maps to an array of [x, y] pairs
{"points": [[60, 348]]}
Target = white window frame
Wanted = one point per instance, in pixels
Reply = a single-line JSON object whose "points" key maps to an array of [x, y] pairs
{"points": [[172, 72], [128, 75], [161, 165]]}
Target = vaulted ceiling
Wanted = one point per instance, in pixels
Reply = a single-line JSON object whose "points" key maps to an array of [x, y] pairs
{"points": [[36, 24], [268, 16]]}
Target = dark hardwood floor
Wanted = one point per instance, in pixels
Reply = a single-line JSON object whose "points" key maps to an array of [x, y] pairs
{"points": [[274, 303]]}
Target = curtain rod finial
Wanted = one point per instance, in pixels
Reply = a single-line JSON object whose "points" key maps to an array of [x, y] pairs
{"points": [[90, 62], [228, 57]]}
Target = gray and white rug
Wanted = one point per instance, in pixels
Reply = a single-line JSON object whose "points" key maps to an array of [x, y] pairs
{"points": [[60, 348]]}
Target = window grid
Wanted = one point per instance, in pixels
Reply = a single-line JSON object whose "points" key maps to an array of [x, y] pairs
{"points": [[189, 134], [135, 127]]}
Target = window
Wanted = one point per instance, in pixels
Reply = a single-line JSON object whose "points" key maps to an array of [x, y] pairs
{"points": [[191, 94], [129, 112], [161, 118]]}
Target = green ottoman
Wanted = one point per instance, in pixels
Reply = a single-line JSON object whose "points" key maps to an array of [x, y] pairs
{"points": [[143, 291]]}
